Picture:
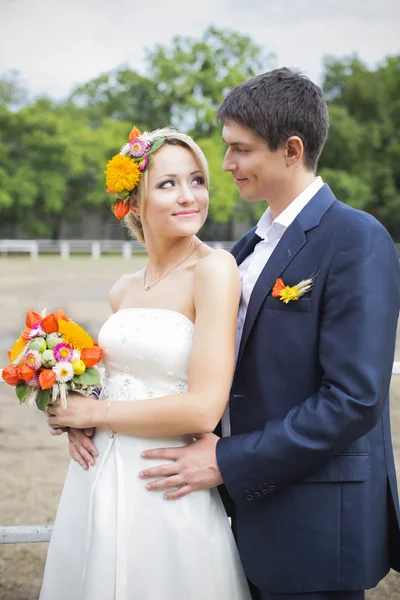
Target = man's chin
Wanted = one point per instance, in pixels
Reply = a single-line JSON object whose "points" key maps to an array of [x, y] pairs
{"points": [[249, 197]]}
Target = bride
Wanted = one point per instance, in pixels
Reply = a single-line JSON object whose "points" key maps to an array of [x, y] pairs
{"points": [[168, 351]]}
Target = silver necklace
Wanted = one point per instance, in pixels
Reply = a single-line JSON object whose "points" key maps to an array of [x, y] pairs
{"points": [[148, 286]]}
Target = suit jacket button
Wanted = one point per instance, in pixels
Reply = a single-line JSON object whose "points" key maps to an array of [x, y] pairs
{"points": [[256, 495], [264, 491], [271, 488], [248, 497]]}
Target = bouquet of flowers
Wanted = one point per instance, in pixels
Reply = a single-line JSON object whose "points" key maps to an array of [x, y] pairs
{"points": [[52, 355]]}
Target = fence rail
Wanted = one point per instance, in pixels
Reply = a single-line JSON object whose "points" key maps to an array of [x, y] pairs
{"points": [[95, 248], [24, 534]]}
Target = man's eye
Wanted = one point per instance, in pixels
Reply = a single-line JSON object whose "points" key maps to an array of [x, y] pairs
{"points": [[240, 150]]}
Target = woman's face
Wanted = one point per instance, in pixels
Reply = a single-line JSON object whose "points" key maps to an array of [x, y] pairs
{"points": [[176, 204]]}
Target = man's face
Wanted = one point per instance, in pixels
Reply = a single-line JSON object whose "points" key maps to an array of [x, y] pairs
{"points": [[258, 172]]}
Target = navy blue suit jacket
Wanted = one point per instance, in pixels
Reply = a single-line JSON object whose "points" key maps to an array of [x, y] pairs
{"points": [[309, 466]]}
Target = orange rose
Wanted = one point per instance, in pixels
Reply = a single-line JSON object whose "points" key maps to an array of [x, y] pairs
{"points": [[10, 375], [49, 324], [135, 133], [47, 379], [121, 209], [279, 285], [26, 372], [25, 334], [91, 356], [32, 318], [60, 314]]}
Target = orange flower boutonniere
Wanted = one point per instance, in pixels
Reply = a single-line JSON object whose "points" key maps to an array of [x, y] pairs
{"points": [[287, 293]]}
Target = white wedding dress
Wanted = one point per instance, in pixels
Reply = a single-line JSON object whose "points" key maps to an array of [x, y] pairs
{"points": [[112, 538]]}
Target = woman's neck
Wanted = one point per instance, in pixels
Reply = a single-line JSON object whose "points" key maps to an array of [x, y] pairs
{"points": [[165, 254]]}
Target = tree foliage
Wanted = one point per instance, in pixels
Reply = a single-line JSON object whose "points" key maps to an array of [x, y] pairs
{"points": [[53, 154], [361, 159]]}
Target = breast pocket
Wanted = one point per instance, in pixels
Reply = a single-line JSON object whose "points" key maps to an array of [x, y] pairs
{"points": [[300, 305]]}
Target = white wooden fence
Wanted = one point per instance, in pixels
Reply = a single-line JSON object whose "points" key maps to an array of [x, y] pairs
{"points": [[95, 248]]}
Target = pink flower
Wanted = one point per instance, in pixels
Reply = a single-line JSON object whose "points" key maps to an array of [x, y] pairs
{"points": [[144, 162], [63, 353], [137, 148], [37, 330], [34, 382], [33, 359]]}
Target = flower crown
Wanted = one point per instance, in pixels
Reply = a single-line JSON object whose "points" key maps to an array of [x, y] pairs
{"points": [[125, 170]]}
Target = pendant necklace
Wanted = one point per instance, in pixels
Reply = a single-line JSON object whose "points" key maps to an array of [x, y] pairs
{"points": [[148, 286]]}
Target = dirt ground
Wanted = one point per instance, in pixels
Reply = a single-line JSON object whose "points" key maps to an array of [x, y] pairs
{"points": [[33, 464]]}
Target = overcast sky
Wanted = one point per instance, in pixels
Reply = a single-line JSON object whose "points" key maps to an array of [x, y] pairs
{"points": [[57, 44]]}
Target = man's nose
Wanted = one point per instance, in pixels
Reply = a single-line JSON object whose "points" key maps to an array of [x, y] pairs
{"points": [[227, 164]]}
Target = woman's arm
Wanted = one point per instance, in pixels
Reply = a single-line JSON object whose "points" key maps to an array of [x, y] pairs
{"points": [[216, 298]]}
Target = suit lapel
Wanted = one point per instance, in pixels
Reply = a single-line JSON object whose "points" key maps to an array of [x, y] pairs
{"points": [[247, 248], [292, 241], [290, 244]]}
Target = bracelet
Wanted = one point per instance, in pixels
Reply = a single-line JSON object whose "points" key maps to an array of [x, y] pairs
{"points": [[109, 431]]}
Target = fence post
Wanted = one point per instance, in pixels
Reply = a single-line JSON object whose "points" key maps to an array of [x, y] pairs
{"points": [[96, 250], [127, 250], [64, 250], [35, 250]]}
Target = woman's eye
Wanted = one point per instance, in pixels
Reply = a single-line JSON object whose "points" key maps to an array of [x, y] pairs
{"points": [[198, 180], [167, 184]]}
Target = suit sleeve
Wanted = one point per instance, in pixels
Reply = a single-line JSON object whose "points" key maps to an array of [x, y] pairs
{"points": [[360, 308]]}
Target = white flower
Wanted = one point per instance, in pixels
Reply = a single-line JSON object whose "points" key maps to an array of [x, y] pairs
{"points": [[64, 371], [76, 355], [125, 149], [146, 137]]}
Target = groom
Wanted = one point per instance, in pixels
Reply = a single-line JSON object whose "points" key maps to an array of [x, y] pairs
{"points": [[306, 452]]}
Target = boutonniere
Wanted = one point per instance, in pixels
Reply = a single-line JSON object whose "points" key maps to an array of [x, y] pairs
{"points": [[287, 293]]}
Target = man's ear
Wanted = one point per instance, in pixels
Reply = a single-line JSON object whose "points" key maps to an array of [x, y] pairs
{"points": [[294, 150]]}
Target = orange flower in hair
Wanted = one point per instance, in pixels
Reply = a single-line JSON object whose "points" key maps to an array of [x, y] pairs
{"points": [[121, 209], [135, 133]]}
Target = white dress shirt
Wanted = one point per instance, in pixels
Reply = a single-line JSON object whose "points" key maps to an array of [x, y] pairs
{"points": [[270, 232]]}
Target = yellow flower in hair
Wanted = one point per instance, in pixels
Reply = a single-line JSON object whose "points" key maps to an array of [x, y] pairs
{"points": [[122, 173]]}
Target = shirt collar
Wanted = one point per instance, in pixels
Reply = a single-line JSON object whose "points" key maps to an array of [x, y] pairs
{"points": [[287, 217]]}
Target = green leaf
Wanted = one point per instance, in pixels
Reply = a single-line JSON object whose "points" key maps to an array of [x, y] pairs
{"points": [[156, 146], [22, 390], [89, 377], [42, 399]]}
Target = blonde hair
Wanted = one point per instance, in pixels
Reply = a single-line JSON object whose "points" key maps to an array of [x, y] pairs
{"points": [[172, 137]]}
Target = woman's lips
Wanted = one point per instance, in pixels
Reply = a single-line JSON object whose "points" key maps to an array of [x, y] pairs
{"points": [[186, 214]]}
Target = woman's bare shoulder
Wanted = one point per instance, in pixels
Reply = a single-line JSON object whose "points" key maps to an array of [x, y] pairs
{"points": [[217, 269], [120, 288], [216, 261]]}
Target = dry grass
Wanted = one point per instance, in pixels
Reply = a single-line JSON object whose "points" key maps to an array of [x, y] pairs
{"points": [[33, 464]]}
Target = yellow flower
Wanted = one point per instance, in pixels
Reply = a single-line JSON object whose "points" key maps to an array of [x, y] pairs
{"points": [[78, 366], [17, 349], [74, 335], [289, 293], [122, 173]]}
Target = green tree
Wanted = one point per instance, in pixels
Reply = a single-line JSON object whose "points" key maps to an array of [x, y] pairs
{"points": [[123, 95], [195, 75], [361, 159]]}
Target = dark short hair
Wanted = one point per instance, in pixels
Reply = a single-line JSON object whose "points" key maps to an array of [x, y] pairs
{"points": [[277, 105]]}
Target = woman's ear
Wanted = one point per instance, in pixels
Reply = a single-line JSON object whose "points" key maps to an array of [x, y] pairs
{"points": [[134, 205]]}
